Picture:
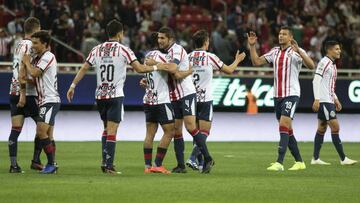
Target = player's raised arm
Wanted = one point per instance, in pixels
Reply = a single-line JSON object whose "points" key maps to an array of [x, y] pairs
{"points": [[34, 72], [256, 60], [308, 62], [141, 68], [228, 69], [79, 76]]}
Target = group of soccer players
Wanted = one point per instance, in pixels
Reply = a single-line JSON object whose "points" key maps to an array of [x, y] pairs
{"points": [[177, 91]]}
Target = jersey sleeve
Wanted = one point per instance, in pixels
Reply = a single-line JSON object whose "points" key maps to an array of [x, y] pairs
{"points": [[321, 67], [215, 62], [45, 61], [175, 55], [91, 57], [129, 55], [269, 56]]}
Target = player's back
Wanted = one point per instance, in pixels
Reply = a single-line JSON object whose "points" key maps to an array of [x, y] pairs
{"points": [[203, 64], [327, 69], [23, 47], [110, 60], [157, 91]]}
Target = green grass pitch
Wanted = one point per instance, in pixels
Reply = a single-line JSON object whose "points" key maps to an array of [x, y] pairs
{"points": [[239, 175]]}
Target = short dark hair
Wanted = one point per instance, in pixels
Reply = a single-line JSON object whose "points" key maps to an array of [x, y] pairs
{"points": [[114, 27], [153, 40], [43, 36], [329, 44], [199, 38], [169, 33], [287, 28], [31, 24]]}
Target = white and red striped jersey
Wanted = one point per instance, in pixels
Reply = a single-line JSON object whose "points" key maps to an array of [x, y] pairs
{"points": [[287, 64], [328, 71], [110, 60], [46, 83], [23, 47], [183, 87], [157, 90], [203, 64]]}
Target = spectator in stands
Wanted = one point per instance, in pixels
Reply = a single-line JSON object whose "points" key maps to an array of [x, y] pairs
{"points": [[5, 41], [88, 43], [15, 26]]}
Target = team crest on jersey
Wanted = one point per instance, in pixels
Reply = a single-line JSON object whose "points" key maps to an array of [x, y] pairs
{"points": [[106, 90]]}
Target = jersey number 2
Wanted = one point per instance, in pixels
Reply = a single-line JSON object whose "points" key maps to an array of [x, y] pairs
{"points": [[107, 73]]}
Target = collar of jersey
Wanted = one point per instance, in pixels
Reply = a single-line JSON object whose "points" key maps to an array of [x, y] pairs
{"points": [[333, 61]]}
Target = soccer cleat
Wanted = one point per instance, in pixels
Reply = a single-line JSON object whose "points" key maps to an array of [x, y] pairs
{"points": [[102, 167], [201, 167], [111, 170], [275, 167], [49, 169], [208, 166], [319, 162], [159, 169], [298, 166], [178, 169], [147, 170], [348, 161], [16, 169], [192, 164], [36, 165]]}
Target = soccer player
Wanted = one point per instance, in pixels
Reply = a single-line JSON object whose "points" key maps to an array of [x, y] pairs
{"points": [[44, 69], [326, 103], [110, 60], [287, 60], [23, 98], [183, 99], [158, 110], [203, 64]]}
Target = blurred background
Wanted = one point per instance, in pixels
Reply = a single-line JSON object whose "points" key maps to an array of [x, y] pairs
{"points": [[78, 25]]}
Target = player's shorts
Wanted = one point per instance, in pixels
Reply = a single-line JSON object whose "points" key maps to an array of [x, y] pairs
{"points": [[111, 109], [47, 113], [286, 106], [161, 113], [204, 111], [30, 109], [327, 111], [185, 106]]}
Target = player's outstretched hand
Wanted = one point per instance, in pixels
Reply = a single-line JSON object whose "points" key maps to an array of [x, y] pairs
{"points": [[143, 83], [240, 57], [251, 38], [295, 45], [70, 94], [316, 105], [150, 62], [338, 105]]}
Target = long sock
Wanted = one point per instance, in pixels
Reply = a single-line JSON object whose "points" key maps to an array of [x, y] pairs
{"points": [[48, 149], [54, 145], [13, 140], [160, 154], [200, 140], [37, 150], [318, 141], [103, 146], [148, 157], [194, 151], [337, 143], [293, 146], [283, 144], [110, 150], [179, 150]]}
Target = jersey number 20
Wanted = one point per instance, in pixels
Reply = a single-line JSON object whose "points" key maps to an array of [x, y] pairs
{"points": [[107, 72]]}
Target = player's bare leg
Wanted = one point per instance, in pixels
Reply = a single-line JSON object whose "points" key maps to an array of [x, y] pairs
{"points": [[17, 123], [179, 147], [200, 140], [151, 129]]}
